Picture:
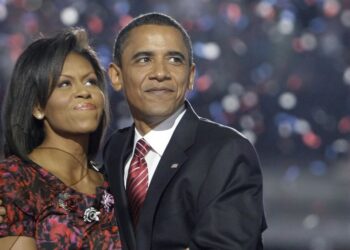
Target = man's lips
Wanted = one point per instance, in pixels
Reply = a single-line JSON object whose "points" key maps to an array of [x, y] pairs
{"points": [[159, 91], [85, 106]]}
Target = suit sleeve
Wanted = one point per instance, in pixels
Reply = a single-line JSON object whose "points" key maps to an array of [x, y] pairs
{"points": [[230, 207]]}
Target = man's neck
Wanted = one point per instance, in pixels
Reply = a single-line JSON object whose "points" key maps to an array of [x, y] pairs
{"points": [[144, 126]]}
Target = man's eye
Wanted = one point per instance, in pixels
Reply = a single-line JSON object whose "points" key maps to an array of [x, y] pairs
{"points": [[143, 59], [175, 59]]}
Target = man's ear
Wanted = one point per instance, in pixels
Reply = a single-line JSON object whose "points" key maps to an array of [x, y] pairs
{"points": [[115, 76], [38, 113], [192, 77]]}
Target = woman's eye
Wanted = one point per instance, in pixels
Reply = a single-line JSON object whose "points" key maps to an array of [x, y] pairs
{"points": [[63, 84], [91, 82]]}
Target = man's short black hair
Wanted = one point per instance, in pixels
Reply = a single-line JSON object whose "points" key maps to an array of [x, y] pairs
{"points": [[147, 19]]}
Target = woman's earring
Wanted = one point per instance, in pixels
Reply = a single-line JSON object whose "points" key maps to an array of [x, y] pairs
{"points": [[39, 116]]}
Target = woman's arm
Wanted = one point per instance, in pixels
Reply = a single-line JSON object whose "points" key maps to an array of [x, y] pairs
{"points": [[18, 243]]}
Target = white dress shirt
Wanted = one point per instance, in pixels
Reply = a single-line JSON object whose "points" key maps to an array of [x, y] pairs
{"points": [[158, 138]]}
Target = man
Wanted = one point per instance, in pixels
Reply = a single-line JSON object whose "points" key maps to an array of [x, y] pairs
{"points": [[203, 186]]}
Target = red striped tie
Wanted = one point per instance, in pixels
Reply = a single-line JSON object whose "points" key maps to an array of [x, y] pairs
{"points": [[137, 183]]}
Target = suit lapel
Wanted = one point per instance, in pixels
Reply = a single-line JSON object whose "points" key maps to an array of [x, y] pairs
{"points": [[119, 149], [171, 161]]}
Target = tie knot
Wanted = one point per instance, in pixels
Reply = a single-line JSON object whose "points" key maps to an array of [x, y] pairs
{"points": [[142, 148]]}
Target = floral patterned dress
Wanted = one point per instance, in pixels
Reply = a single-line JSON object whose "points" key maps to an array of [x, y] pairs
{"points": [[41, 206]]}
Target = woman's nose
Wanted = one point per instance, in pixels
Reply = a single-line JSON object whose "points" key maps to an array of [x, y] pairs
{"points": [[82, 91]]}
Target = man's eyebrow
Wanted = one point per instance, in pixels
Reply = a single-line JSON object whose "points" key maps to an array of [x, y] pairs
{"points": [[150, 53]]}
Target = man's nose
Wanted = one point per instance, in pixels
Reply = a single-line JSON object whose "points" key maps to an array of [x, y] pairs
{"points": [[160, 71]]}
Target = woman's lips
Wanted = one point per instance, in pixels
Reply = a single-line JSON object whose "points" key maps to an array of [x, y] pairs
{"points": [[85, 106]]}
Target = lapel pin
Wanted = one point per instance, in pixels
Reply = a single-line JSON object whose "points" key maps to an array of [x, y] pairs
{"points": [[174, 165]]}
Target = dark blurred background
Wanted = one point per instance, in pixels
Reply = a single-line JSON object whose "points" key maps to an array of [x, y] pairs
{"points": [[276, 70]]}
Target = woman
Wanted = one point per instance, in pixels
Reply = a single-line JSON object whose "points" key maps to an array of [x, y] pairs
{"points": [[54, 118]]}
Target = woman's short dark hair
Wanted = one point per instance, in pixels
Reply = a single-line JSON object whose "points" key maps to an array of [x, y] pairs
{"points": [[33, 79], [147, 19]]}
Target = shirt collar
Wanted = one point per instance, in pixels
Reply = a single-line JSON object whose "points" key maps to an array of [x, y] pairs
{"points": [[159, 137]]}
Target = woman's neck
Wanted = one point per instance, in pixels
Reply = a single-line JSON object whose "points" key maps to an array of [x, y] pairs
{"points": [[66, 159]]}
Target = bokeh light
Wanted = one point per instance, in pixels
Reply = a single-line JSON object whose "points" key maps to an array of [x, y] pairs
{"points": [[69, 16]]}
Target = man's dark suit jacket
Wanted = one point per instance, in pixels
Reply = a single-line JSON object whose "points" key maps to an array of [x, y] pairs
{"points": [[205, 194]]}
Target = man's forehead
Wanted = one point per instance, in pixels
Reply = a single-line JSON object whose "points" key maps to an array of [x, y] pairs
{"points": [[145, 29], [149, 35]]}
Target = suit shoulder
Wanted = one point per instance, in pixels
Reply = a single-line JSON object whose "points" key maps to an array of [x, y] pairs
{"points": [[216, 135], [120, 131], [218, 130], [115, 138], [117, 133]]}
